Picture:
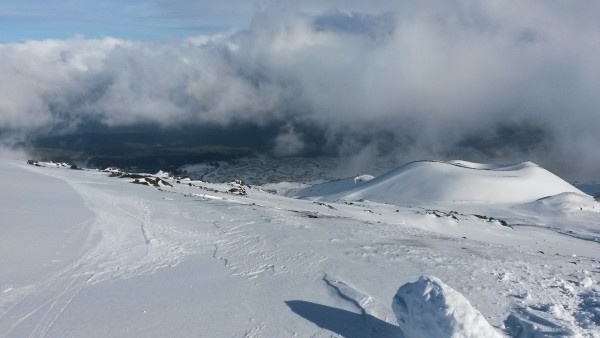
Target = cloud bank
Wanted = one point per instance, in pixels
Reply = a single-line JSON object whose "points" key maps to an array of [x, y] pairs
{"points": [[478, 80]]}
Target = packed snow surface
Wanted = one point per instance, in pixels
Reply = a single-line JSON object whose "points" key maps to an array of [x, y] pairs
{"points": [[455, 181], [429, 308], [88, 253]]}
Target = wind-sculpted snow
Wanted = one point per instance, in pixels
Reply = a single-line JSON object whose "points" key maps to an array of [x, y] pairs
{"points": [[429, 308], [457, 181]]}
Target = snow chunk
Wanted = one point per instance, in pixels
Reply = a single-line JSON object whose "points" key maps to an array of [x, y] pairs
{"points": [[430, 308], [586, 282], [363, 178], [163, 174]]}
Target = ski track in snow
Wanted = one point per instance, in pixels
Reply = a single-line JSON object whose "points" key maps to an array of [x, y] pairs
{"points": [[352, 250], [123, 242]]}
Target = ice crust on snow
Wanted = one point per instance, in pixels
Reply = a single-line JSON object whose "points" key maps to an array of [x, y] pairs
{"points": [[454, 181], [429, 308]]}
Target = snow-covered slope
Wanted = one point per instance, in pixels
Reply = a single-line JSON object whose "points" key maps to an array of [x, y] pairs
{"points": [[458, 181], [86, 253]]}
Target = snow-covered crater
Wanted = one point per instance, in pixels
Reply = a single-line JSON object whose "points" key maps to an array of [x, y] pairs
{"points": [[454, 181]]}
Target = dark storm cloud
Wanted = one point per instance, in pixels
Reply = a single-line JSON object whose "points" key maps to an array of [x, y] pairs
{"points": [[482, 80]]}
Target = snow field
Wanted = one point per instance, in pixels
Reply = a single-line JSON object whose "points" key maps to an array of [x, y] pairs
{"points": [[196, 260]]}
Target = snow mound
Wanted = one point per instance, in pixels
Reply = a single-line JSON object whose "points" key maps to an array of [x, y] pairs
{"points": [[567, 202], [455, 181], [430, 308]]}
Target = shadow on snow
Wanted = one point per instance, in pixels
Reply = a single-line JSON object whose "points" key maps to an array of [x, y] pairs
{"points": [[345, 323]]}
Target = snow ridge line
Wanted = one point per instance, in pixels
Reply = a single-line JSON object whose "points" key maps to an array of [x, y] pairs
{"points": [[373, 313], [341, 294]]}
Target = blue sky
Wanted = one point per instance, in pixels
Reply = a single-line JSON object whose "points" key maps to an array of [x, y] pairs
{"points": [[22, 20]]}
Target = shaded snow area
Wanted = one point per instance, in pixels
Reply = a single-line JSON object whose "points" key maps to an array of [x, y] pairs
{"points": [[88, 253], [332, 187]]}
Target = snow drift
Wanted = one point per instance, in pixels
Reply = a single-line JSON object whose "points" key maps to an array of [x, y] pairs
{"points": [[457, 181], [430, 308]]}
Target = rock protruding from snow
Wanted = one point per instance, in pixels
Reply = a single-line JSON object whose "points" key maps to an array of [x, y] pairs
{"points": [[429, 308], [456, 181], [152, 181]]}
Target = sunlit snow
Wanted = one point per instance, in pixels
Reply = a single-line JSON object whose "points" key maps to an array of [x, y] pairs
{"points": [[515, 251]]}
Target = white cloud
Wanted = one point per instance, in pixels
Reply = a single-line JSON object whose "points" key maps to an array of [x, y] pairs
{"points": [[431, 73], [288, 143]]}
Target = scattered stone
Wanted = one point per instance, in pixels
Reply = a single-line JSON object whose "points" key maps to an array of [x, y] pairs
{"points": [[325, 205]]}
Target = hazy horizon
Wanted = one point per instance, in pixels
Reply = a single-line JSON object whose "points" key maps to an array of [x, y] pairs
{"points": [[484, 81]]}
